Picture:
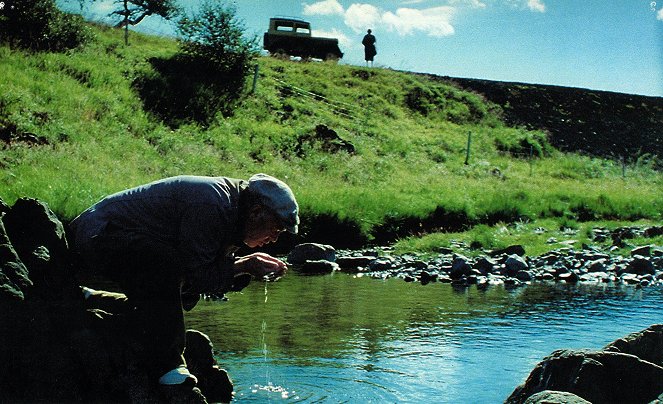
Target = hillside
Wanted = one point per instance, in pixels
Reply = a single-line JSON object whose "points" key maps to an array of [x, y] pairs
{"points": [[373, 155], [600, 123]]}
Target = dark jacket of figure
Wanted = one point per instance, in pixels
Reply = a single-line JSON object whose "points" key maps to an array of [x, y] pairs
{"points": [[369, 46]]}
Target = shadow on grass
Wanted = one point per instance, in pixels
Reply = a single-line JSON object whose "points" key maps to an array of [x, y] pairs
{"points": [[182, 90]]}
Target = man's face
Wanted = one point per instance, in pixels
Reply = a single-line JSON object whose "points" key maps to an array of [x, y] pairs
{"points": [[261, 227]]}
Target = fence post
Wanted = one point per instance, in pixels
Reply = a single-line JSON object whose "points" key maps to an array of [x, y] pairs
{"points": [[255, 79], [531, 159], [469, 143]]}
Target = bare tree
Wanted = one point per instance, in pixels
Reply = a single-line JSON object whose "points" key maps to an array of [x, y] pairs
{"points": [[134, 11]]}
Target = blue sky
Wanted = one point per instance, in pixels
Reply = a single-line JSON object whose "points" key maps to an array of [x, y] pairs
{"points": [[613, 45]]}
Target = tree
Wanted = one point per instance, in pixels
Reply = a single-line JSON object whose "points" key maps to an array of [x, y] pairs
{"points": [[134, 11]]}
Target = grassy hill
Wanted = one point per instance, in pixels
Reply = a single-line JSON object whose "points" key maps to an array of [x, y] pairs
{"points": [[373, 155]]}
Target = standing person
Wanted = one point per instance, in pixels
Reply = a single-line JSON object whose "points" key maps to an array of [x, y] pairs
{"points": [[168, 241], [369, 47]]}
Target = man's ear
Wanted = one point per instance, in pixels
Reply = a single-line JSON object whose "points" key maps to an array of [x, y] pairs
{"points": [[256, 210]]}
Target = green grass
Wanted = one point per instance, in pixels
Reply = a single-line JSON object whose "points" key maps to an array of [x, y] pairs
{"points": [[409, 134]]}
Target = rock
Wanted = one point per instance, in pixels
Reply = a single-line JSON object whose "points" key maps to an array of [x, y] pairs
{"points": [[4, 208], [460, 267], [640, 266], [510, 250], [555, 397], [39, 239], [524, 276], [644, 251], [354, 263], [596, 265], [653, 231], [646, 344], [615, 374], [569, 277], [513, 264], [311, 252], [318, 267], [485, 265], [199, 356], [14, 277], [381, 264]]}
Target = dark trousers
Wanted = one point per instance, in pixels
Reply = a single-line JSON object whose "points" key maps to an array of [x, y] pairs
{"points": [[147, 272]]}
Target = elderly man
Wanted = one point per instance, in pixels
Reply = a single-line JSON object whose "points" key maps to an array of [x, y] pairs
{"points": [[166, 242]]}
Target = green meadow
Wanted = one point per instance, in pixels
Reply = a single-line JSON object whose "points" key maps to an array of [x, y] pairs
{"points": [[406, 179]]}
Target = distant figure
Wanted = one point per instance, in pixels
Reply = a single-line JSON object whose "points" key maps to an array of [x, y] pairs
{"points": [[369, 47]]}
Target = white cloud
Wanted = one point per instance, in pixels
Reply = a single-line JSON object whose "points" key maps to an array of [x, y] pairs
{"points": [[470, 3], [434, 21], [360, 17], [536, 5], [325, 7], [659, 15]]}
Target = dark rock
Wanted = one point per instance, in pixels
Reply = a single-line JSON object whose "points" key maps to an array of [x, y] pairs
{"points": [[524, 276], [39, 239], [14, 278], [4, 208], [510, 250], [569, 277], [353, 263], [596, 265], [640, 266], [654, 231], [644, 251], [485, 265], [214, 382], [318, 267], [311, 252], [514, 264], [460, 267], [555, 397], [381, 264], [598, 377], [646, 345]]}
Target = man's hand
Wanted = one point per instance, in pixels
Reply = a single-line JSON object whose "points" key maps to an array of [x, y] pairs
{"points": [[261, 266]]}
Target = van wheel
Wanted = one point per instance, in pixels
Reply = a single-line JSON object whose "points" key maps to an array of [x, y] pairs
{"points": [[331, 57], [281, 54]]}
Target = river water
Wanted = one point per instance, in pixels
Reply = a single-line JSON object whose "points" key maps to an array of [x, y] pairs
{"points": [[342, 339]]}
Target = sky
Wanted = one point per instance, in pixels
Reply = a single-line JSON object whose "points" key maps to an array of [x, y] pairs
{"points": [[612, 45]]}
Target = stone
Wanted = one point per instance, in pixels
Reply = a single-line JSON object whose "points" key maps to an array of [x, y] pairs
{"points": [[354, 263], [626, 370], [510, 250], [485, 265], [311, 252], [460, 267], [513, 264], [14, 277], [318, 267], [644, 251], [381, 264], [640, 266], [555, 397]]}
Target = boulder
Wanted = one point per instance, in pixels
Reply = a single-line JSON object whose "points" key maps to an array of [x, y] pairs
{"points": [[555, 397], [640, 266], [514, 264], [460, 267], [14, 277], [614, 374], [311, 252]]}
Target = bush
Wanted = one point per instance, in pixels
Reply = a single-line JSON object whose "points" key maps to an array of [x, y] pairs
{"points": [[215, 35], [39, 25]]}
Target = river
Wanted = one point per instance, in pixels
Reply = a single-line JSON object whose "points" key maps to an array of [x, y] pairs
{"points": [[342, 339]]}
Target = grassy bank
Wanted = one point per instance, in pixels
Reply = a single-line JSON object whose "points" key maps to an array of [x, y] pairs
{"points": [[74, 128]]}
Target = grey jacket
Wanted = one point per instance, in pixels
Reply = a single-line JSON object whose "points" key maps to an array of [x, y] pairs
{"points": [[198, 216]]}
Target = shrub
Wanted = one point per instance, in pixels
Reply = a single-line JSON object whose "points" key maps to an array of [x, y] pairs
{"points": [[215, 35], [39, 25]]}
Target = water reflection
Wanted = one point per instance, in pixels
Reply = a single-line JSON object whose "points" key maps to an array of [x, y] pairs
{"points": [[343, 339]]}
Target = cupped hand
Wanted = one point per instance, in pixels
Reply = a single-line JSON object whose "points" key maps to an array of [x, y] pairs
{"points": [[261, 265]]}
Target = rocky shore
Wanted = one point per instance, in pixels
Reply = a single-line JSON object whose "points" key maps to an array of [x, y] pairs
{"points": [[510, 266]]}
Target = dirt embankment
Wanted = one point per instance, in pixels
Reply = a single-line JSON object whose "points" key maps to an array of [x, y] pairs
{"points": [[598, 123]]}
